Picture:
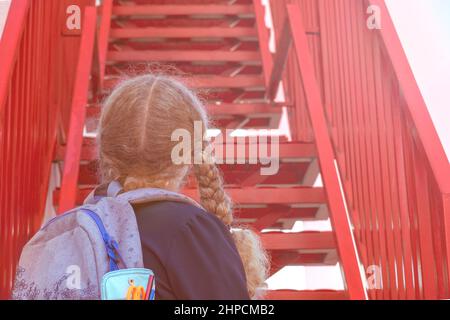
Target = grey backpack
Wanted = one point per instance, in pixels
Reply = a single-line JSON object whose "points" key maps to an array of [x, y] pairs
{"points": [[69, 256]]}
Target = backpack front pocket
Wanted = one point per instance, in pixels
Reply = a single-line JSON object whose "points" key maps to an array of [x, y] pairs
{"points": [[129, 284]]}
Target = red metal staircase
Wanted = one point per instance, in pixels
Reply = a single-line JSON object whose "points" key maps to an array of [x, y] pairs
{"points": [[350, 98], [222, 47]]}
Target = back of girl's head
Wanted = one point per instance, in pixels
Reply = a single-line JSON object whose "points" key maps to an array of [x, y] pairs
{"points": [[135, 147], [136, 125]]}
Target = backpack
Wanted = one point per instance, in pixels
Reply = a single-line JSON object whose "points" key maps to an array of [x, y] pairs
{"points": [[91, 252]]}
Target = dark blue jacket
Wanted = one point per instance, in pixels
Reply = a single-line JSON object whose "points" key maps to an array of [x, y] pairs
{"points": [[191, 253]]}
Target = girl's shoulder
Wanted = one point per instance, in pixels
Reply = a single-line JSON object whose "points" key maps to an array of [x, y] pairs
{"points": [[163, 219], [162, 223], [171, 213], [167, 218]]}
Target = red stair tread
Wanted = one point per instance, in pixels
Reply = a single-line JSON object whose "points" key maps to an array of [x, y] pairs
{"points": [[179, 9], [188, 55], [209, 82], [298, 240], [234, 95], [252, 214], [181, 2], [158, 32], [306, 295], [184, 22], [186, 44], [287, 150], [243, 175], [253, 116], [271, 195], [225, 109], [280, 259], [248, 195]]}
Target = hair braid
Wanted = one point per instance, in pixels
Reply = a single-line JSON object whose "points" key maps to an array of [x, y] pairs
{"points": [[212, 195]]}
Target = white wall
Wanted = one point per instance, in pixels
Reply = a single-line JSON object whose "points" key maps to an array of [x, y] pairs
{"points": [[4, 6], [424, 29]]}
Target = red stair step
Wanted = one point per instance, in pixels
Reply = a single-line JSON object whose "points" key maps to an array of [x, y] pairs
{"points": [[282, 258], [247, 175], [183, 22], [247, 195], [234, 95], [182, 67], [287, 150], [244, 175], [191, 9], [223, 122], [214, 110], [186, 55], [157, 32], [271, 195], [306, 295], [186, 44], [182, 2], [265, 215], [210, 82], [298, 240], [243, 109]]}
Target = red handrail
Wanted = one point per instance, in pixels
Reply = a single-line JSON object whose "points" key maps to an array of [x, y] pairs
{"points": [[78, 112], [91, 62], [336, 203]]}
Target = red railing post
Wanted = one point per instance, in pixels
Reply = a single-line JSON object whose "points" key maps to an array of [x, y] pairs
{"points": [[72, 157], [264, 39], [103, 37], [446, 214], [283, 45], [336, 203], [9, 44]]}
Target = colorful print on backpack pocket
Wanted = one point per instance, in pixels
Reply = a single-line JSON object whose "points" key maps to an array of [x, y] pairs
{"points": [[128, 284]]}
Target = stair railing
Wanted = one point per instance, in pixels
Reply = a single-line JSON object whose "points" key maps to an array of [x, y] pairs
{"points": [[36, 83], [294, 37], [395, 174], [427, 169]]}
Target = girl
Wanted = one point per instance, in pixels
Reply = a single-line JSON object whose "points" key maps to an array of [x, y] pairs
{"points": [[194, 253]]}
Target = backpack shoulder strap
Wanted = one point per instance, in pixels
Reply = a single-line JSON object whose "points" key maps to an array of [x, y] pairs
{"points": [[114, 189], [137, 196], [153, 195]]}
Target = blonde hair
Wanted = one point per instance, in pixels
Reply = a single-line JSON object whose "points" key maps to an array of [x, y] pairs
{"points": [[135, 147]]}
